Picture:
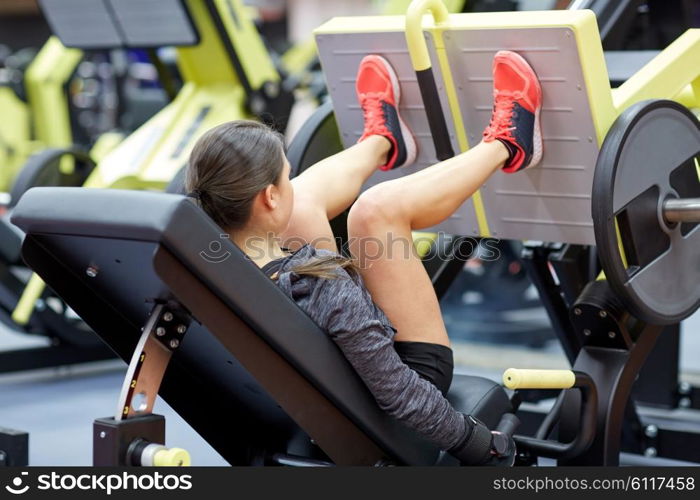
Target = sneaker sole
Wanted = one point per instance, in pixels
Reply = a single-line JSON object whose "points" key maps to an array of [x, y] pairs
{"points": [[408, 139], [537, 145]]}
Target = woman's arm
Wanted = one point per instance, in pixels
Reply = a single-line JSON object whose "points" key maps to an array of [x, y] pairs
{"points": [[343, 308]]}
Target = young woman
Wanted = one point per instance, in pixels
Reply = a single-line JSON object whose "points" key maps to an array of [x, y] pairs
{"points": [[380, 308]]}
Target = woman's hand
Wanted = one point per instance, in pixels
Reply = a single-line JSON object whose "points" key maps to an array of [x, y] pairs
{"points": [[502, 450]]}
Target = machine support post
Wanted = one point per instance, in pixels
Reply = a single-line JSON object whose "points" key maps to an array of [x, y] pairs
{"points": [[161, 336], [14, 448], [614, 372], [535, 260], [135, 436]]}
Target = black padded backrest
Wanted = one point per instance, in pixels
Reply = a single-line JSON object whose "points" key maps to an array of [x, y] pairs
{"points": [[115, 217]]}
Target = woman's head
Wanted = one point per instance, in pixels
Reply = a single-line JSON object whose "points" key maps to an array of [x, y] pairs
{"points": [[241, 176]]}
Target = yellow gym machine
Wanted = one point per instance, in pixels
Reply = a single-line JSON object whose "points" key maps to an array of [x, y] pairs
{"points": [[42, 120], [227, 74]]}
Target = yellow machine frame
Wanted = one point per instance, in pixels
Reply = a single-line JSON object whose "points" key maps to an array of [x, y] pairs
{"points": [[44, 120]]}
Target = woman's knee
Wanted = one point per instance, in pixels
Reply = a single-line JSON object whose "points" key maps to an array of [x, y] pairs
{"points": [[373, 211]]}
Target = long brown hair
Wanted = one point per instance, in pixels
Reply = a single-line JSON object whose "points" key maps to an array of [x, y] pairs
{"points": [[229, 165]]}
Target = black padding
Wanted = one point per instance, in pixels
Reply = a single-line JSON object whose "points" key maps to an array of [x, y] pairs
{"points": [[479, 397], [102, 24], [154, 23], [84, 24], [97, 223], [204, 383], [10, 241], [436, 116]]}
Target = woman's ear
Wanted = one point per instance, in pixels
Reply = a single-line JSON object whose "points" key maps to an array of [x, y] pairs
{"points": [[270, 196]]}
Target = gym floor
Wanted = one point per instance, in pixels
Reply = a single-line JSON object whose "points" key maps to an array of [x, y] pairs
{"points": [[57, 406]]}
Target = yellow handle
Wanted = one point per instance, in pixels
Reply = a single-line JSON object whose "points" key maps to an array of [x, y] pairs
{"points": [[414, 29], [25, 307], [514, 378], [173, 457], [423, 242]]}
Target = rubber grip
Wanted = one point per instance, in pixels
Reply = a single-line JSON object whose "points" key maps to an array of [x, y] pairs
{"points": [[514, 378], [508, 424], [173, 457], [417, 48], [436, 118]]}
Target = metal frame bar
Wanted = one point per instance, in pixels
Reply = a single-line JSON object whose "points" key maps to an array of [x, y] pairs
{"points": [[535, 259], [161, 336]]}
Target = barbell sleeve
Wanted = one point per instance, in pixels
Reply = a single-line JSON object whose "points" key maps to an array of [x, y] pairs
{"points": [[682, 210]]}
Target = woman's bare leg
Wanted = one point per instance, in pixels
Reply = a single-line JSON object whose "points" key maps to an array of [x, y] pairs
{"points": [[332, 185], [380, 226], [387, 213], [329, 187]]}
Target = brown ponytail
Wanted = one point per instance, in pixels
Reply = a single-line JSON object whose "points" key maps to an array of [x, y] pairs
{"points": [[326, 267]]}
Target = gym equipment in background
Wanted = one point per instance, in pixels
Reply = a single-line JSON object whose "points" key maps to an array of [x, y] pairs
{"points": [[46, 156], [35, 106], [227, 350], [227, 74]]}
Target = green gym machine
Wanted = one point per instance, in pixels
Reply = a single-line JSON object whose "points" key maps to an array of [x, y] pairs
{"points": [[227, 74], [36, 112]]}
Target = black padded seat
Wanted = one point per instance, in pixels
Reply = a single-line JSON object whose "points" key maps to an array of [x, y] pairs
{"points": [[251, 358], [481, 397]]}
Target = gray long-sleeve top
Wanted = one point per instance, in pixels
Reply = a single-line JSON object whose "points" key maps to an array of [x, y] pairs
{"points": [[343, 308]]}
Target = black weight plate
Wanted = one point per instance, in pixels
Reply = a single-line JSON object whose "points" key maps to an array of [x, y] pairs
{"points": [[647, 146]]}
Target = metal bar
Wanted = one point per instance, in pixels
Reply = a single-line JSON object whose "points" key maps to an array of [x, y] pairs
{"points": [[446, 262], [658, 384], [536, 263], [614, 372], [587, 426], [580, 4], [682, 210], [143, 378]]}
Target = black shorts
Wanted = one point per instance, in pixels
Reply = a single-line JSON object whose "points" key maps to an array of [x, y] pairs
{"points": [[433, 362]]}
